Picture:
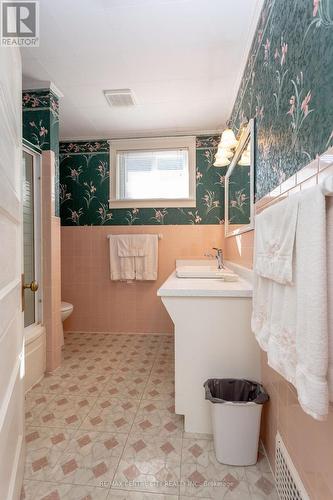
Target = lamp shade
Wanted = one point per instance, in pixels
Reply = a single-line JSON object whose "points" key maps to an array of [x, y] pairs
{"points": [[221, 161], [225, 152], [245, 159], [228, 139]]}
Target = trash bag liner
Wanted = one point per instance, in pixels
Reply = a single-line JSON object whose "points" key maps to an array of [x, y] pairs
{"points": [[230, 390]]}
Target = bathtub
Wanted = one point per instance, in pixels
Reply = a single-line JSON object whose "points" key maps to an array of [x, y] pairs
{"points": [[35, 355]]}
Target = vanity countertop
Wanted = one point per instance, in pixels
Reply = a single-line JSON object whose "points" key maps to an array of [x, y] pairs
{"points": [[199, 287]]}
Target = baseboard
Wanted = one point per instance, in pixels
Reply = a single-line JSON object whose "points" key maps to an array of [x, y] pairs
{"points": [[70, 332], [16, 479]]}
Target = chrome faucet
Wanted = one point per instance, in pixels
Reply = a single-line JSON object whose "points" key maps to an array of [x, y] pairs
{"points": [[219, 258]]}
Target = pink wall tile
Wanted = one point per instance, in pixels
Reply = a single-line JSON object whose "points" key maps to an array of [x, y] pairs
{"points": [[51, 265], [106, 306], [239, 249]]}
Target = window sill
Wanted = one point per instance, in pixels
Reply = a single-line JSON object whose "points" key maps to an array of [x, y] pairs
{"points": [[181, 203]]}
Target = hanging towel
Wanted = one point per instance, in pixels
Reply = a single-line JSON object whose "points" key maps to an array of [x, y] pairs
{"points": [[329, 235], [120, 269], [290, 319], [132, 245], [275, 237], [146, 267], [138, 259]]}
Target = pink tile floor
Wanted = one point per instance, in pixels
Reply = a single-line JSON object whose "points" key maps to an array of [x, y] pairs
{"points": [[102, 426]]}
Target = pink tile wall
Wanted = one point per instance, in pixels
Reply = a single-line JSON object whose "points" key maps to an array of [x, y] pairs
{"points": [[239, 249], [51, 265], [309, 442], [102, 305]]}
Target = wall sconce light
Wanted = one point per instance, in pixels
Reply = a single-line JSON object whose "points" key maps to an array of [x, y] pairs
{"points": [[227, 145], [221, 161], [245, 160], [228, 139]]}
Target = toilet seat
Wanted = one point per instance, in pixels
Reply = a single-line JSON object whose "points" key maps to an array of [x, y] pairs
{"points": [[66, 306]]}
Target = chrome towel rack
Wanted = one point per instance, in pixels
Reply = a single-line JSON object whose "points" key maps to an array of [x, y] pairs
{"points": [[160, 235]]}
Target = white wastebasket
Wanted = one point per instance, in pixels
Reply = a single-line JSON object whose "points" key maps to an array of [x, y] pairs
{"points": [[236, 407]]}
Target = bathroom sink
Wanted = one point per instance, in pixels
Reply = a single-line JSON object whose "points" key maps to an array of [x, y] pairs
{"points": [[210, 272]]}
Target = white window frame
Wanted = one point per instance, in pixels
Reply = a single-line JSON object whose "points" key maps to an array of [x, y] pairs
{"points": [[188, 142]]}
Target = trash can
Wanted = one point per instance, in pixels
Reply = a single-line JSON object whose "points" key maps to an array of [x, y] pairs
{"points": [[236, 411]]}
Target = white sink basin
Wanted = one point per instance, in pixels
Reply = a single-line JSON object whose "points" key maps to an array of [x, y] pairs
{"points": [[210, 272]]}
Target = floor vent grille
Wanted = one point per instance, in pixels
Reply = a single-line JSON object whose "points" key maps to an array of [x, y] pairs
{"points": [[288, 483]]}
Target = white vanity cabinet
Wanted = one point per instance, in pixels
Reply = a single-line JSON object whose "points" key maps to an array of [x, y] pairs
{"points": [[213, 339]]}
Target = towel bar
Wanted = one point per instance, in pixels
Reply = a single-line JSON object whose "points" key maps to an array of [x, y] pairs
{"points": [[160, 235]]}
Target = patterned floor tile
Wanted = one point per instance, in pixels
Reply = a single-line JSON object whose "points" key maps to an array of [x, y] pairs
{"points": [[194, 435], [65, 411], [261, 484], [111, 415], [126, 385], [91, 458], [105, 366], [143, 448], [157, 389], [202, 476], [135, 495], [50, 384], [44, 447], [151, 465], [158, 418], [163, 371], [86, 384], [35, 404], [182, 497], [262, 464], [136, 364], [38, 490], [106, 418]]}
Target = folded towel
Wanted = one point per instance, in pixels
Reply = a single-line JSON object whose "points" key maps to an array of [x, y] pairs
{"points": [[132, 245], [138, 259], [275, 237], [146, 267], [290, 319], [120, 269], [329, 235]]}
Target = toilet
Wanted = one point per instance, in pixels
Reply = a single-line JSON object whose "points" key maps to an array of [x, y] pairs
{"points": [[66, 310]]}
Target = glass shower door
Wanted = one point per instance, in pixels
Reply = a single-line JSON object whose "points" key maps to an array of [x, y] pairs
{"points": [[31, 253]]}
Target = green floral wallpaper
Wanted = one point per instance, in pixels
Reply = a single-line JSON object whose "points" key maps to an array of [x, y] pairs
{"points": [[288, 87], [41, 126], [239, 195], [84, 189]]}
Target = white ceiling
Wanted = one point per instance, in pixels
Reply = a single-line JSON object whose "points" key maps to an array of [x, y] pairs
{"points": [[183, 59]]}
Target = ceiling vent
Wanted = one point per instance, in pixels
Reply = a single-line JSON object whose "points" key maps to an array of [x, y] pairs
{"points": [[119, 97]]}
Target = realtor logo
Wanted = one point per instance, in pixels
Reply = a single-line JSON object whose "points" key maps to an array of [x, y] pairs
{"points": [[19, 23]]}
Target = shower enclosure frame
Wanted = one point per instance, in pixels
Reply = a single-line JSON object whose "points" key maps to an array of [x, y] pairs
{"points": [[34, 334]]}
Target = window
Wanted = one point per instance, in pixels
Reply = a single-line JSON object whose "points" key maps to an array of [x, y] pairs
{"points": [[158, 172]]}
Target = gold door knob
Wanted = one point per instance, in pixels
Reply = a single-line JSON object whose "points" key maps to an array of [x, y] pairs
{"points": [[33, 286]]}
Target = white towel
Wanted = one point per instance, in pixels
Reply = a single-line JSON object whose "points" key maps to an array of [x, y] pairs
{"points": [[130, 245], [275, 236], [329, 219], [120, 269], [139, 257], [146, 267], [290, 320], [311, 328]]}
